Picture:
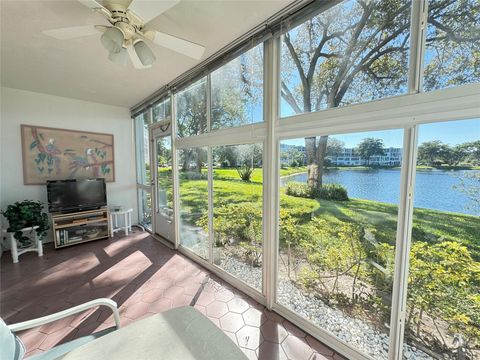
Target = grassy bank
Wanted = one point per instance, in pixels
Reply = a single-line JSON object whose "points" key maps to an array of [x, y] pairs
{"points": [[428, 225]]}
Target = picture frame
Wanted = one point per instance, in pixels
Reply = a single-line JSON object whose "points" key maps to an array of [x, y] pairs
{"points": [[58, 154]]}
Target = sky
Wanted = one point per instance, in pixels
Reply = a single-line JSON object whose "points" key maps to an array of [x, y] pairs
{"points": [[449, 132]]}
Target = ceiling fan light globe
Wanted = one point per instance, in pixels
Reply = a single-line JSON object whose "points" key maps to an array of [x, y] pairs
{"points": [[112, 39], [120, 58], [146, 56]]}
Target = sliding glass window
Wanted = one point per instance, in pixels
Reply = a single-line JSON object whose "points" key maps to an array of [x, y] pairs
{"points": [[238, 211], [337, 227], [237, 91], [443, 302], [355, 51]]}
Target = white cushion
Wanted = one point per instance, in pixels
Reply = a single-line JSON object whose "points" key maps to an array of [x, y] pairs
{"points": [[11, 347]]}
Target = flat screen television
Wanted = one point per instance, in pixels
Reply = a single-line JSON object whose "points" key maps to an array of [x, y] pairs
{"points": [[76, 195]]}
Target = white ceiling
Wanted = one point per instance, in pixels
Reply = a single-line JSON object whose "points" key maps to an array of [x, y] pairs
{"points": [[80, 69]]}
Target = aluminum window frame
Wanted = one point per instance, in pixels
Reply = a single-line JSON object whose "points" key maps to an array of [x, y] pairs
{"points": [[404, 111], [140, 169]]}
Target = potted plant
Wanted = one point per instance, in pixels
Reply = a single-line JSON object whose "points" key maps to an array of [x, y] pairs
{"points": [[26, 214]]}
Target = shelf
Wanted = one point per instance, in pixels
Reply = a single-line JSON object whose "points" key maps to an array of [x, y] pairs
{"points": [[78, 223], [81, 241]]}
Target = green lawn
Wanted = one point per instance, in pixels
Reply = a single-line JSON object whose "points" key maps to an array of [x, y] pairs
{"points": [[428, 225], [257, 176]]}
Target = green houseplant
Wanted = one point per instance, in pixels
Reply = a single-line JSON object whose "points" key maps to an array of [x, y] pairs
{"points": [[26, 214]]}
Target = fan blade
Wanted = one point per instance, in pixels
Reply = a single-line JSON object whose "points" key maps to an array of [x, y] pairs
{"points": [[92, 4], [181, 46], [71, 32], [148, 9], [137, 64]]}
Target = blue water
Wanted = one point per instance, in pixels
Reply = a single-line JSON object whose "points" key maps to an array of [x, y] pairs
{"points": [[434, 189]]}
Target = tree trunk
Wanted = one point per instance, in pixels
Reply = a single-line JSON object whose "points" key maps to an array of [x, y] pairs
{"points": [[199, 159], [354, 285], [312, 167], [321, 153], [289, 254], [419, 323]]}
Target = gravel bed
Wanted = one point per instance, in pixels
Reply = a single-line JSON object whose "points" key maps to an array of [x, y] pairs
{"points": [[355, 332]]}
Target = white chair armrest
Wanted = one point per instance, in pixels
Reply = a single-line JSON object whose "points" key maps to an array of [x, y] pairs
{"points": [[71, 311]]}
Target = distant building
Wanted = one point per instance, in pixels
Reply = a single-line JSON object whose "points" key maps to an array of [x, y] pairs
{"points": [[285, 158], [349, 157]]}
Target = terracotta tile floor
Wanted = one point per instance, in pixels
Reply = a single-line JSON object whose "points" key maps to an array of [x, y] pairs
{"points": [[144, 277]]}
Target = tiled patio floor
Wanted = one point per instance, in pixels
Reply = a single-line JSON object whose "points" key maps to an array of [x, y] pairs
{"points": [[143, 277]]}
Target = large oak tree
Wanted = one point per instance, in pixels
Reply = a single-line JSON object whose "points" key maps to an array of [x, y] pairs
{"points": [[357, 51]]}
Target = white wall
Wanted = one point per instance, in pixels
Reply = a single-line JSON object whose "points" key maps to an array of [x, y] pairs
{"points": [[24, 107]]}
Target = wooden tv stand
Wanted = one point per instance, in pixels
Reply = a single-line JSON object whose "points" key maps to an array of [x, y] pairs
{"points": [[79, 227]]}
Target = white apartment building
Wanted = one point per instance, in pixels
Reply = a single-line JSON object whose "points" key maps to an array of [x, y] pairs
{"points": [[349, 157]]}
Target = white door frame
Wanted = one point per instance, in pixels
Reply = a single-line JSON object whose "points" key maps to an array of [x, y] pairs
{"points": [[160, 129]]}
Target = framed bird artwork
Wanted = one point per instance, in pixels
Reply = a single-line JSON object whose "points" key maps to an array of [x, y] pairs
{"points": [[58, 154]]}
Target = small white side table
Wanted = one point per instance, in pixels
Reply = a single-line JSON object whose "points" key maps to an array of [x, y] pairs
{"points": [[127, 220], [36, 246]]}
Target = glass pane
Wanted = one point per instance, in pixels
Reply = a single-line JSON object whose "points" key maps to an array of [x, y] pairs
{"points": [[142, 148], [237, 91], [192, 109], [237, 211], [193, 188], [354, 52], [452, 55], [164, 176], [145, 208], [338, 224], [162, 110], [443, 302]]}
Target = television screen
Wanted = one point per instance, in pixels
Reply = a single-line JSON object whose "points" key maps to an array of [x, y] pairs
{"points": [[69, 195]]}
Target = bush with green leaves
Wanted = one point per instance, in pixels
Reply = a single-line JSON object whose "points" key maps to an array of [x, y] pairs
{"points": [[245, 172], [335, 192], [298, 189], [332, 192], [444, 285], [238, 224], [26, 214], [193, 175]]}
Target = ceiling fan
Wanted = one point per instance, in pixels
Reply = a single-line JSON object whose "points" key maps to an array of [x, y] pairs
{"points": [[129, 31]]}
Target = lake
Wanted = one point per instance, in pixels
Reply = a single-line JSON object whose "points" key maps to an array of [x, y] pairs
{"points": [[434, 189]]}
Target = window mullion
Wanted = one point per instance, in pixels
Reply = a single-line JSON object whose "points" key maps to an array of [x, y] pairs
{"points": [[271, 195], [418, 25], [210, 205], [176, 193], [209, 103], [403, 241]]}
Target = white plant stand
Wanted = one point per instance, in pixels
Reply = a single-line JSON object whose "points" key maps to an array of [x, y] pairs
{"points": [[127, 220], [16, 252]]}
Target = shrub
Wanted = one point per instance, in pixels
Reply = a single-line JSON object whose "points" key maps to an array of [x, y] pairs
{"points": [[333, 192], [443, 284], [193, 175], [298, 189], [245, 172], [327, 191], [238, 224]]}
